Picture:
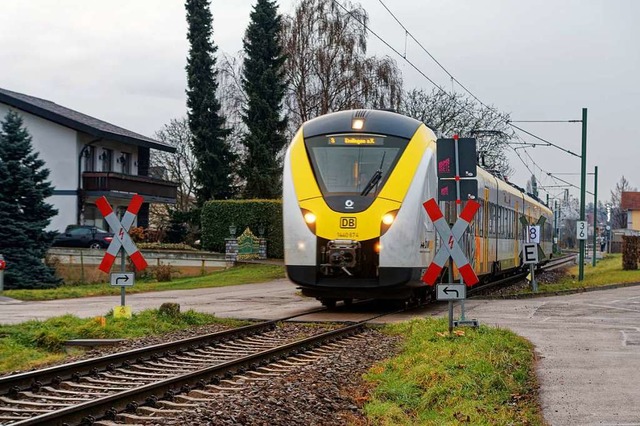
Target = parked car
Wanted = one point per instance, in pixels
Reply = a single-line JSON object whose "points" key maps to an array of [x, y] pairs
{"points": [[83, 236]]}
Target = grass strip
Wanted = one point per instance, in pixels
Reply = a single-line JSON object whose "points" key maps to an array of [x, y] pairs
{"points": [[481, 376], [35, 343], [241, 274], [606, 272]]}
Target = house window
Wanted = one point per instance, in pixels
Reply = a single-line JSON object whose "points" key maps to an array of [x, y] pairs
{"points": [[89, 159], [106, 159], [125, 163]]}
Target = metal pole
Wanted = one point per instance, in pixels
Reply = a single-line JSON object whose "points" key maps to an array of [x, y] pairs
{"points": [[122, 267], [458, 202], [450, 317], [595, 214], [534, 284], [583, 178]]}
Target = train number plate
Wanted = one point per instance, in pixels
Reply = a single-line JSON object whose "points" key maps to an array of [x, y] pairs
{"points": [[348, 223]]}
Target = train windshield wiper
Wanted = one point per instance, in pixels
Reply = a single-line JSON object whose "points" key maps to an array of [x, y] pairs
{"points": [[375, 178], [372, 182]]}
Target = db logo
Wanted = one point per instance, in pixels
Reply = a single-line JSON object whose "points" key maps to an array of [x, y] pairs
{"points": [[348, 222], [3, 265]]}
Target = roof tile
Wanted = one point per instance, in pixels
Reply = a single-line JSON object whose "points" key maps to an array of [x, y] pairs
{"points": [[77, 120], [630, 201]]}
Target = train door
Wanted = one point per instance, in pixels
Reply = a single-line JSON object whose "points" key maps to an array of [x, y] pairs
{"points": [[485, 234]]}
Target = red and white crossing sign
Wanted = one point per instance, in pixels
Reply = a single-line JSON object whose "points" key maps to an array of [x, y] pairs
{"points": [[121, 233], [451, 247]]}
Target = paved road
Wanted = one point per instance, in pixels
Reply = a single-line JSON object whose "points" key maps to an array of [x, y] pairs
{"points": [[588, 344], [254, 301]]}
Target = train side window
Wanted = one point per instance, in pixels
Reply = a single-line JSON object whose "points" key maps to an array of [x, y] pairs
{"points": [[491, 219], [480, 221], [511, 220]]}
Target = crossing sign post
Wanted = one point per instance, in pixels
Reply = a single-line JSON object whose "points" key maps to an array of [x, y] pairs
{"points": [[122, 243], [451, 249]]}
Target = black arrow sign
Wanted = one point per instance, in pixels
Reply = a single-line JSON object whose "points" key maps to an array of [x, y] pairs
{"points": [[125, 278], [447, 291]]}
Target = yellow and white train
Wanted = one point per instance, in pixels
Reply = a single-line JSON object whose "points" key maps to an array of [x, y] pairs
{"points": [[354, 225]]}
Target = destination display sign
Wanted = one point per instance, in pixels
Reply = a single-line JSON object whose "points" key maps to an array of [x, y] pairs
{"points": [[355, 140]]}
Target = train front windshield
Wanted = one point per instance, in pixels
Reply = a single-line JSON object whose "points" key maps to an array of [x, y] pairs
{"points": [[353, 163]]}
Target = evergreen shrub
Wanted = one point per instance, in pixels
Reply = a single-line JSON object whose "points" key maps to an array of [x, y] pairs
{"points": [[218, 215]]}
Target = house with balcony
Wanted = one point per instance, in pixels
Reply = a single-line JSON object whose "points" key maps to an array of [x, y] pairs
{"points": [[89, 158]]}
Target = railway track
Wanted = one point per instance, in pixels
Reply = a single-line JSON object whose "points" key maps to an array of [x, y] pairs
{"points": [[101, 390], [560, 262], [157, 382]]}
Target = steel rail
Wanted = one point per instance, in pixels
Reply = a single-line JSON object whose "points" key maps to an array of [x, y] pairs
{"points": [[107, 407], [10, 385]]}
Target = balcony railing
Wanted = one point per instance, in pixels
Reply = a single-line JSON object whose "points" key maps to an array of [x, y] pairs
{"points": [[143, 185]]}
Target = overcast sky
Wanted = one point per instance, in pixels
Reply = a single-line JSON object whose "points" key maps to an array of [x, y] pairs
{"points": [[123, 61]]}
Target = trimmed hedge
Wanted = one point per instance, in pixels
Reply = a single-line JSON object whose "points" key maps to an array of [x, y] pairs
{"points": [[217, 216]]}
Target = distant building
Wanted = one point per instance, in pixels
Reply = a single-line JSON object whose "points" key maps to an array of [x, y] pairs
{"points": [[89, 158], [630, 201]]}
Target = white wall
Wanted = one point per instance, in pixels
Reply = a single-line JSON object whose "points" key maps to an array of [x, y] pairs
{"points": [[60, 148], [56, 146], [66, 206]]}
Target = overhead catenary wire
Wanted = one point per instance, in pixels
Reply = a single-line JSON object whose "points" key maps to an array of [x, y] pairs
{"points": [[403, 56], [453, 79], [552, 176], [407, 32], [543, 140]]}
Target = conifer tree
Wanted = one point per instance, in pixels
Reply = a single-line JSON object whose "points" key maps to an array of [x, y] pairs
{"points": [[24, 214], [214, 158], [264, 84]]}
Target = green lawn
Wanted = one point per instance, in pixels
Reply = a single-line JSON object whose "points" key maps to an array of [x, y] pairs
{"points": [[35, 343], [606, 272], [241, 274], [483, 376]]}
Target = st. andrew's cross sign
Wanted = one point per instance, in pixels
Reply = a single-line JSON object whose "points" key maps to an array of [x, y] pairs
{"points": [[121, 234], [450, 246]]}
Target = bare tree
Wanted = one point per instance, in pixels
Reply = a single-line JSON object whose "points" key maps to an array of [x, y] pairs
{"points": [[178, 167], [327, 67], [448, 114], [618, 215]]}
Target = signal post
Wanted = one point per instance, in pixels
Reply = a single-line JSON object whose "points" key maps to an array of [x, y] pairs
{"points": [[456, 161]]}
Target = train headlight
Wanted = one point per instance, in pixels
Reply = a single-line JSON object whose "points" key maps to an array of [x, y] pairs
{"points": [[387, 220], [310, 219], [357, 123]]}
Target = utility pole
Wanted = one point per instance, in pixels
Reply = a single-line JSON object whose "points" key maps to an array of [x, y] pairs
{"points": [[583, 185], [595, 214]]}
